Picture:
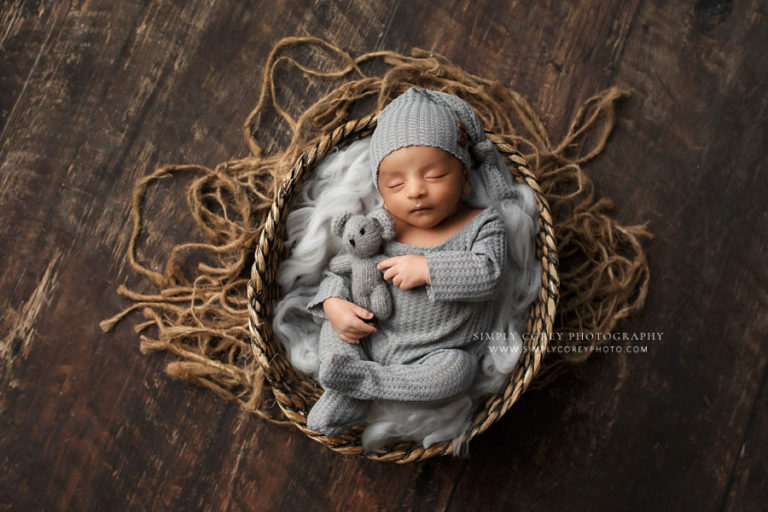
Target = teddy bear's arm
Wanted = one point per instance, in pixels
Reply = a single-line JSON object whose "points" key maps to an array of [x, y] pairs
{"points": [[379, 258], [341, 263]]}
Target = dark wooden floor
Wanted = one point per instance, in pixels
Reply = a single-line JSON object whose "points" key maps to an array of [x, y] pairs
{"points": [[94, 95]]}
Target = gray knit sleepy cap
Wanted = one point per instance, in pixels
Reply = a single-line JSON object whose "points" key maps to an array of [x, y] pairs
{"points": [[423, 117]]}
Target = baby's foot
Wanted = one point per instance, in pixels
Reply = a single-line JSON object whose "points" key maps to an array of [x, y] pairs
{"points": [[334, 413]]}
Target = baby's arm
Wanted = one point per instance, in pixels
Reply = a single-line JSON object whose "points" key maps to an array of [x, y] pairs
{"points": [[471, 275], [332, 302]]}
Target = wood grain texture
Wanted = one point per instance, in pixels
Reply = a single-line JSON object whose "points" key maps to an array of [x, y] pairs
{"points": [[748, 479], [95, 94]]}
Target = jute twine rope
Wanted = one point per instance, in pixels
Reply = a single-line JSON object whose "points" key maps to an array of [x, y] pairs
{"points": [[203, 320]]}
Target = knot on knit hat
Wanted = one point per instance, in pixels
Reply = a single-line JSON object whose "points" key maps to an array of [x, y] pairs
{"points": [[423, 117]]}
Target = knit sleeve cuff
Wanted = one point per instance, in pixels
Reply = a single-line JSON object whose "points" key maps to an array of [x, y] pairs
{"points": [[442, 266], [331, 286]]}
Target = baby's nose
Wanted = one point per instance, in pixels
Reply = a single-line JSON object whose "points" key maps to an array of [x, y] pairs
{"points": [[416, 188]]}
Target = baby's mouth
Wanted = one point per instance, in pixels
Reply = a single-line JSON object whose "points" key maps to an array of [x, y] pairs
{"points": [[421, 209]]}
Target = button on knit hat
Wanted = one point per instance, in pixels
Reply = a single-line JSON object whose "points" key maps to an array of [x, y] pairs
{"points": [[423, 117]]}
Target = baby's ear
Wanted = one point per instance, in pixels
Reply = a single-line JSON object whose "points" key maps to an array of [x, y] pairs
{"points": [[385, 220], [339, 221]]}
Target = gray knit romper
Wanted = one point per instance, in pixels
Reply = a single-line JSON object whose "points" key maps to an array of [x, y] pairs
{"points": [[425, 351]]}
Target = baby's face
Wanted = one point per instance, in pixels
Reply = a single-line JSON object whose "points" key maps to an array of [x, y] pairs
{"points": [[421, 185]]}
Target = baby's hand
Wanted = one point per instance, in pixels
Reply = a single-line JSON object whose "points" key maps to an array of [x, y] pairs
{"points": [[407, 271], [348, 319]]}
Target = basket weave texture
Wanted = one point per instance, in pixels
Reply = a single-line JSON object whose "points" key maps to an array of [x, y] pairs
{"points": [[295, 393]]}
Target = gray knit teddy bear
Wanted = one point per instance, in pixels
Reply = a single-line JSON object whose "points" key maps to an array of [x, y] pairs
{"points": [[362, 237]]}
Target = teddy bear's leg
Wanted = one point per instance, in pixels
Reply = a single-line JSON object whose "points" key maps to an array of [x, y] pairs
{"points": [[438, 375], [335, 412], [381, 302]]}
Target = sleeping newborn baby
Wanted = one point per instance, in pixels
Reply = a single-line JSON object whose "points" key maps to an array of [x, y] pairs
{"points": [[445, 265]]}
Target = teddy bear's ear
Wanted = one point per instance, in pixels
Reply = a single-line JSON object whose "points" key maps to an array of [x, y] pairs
{"points": [[339, 221], [385, 220]]}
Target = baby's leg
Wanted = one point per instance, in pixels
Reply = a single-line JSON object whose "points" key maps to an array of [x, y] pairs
{"points": [[439, 375], [335, 412], [331, 345]]}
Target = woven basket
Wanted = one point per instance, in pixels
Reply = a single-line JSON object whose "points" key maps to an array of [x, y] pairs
{"points": [[295, 393]]}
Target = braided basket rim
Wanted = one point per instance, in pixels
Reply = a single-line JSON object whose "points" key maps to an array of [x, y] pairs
{"points": [[295, 393]]}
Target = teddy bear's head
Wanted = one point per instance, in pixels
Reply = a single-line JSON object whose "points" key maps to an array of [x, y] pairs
{"points": [[362, 234]]}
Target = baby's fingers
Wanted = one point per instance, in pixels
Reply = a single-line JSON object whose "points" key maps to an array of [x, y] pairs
{"points": [[390, 273], [346, 338], [386, 263], [356, 331], [362, 328], [361, 312]]}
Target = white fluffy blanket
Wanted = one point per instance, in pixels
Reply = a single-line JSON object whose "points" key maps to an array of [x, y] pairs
{"points": [[343, 182]]}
